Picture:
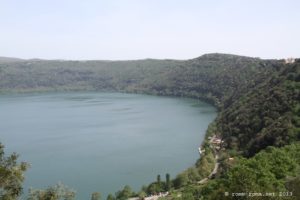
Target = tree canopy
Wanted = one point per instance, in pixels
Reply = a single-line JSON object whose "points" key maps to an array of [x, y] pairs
{"points": [[11, 175]]}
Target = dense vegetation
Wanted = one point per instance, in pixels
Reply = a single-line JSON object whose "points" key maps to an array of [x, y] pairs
{"points": [[214, 77], [259, 115], [266, 116], [269, 173], [11, 175]]}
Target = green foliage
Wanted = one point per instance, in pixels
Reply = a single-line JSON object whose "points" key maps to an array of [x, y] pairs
{"points": [[268, 171], [188, 196], [125, 193], [168, 182], [57, 192], [96, 196], [266, 116], [205, 164], [142, 194], [158, 179], [11, 175], [154, 188], [202, 169], [158, 186], [212, 77], [110, 197]]}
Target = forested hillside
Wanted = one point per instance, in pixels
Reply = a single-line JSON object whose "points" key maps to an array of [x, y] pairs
{"points": [[271, 174], [258, 121], [218, 78], [261, 133], [268, 115]]}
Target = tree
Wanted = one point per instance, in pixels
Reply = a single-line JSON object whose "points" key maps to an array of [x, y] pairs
{"points": [[110, 197], [11, 175], [188, 196], [125, 193], [96, 196], [57, 192], [168, 182], [180, 180], [159, 183], [153, 188], [158, 179], [142, 194]]}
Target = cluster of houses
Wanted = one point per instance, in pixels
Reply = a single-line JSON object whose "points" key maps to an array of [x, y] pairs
{"points": [[289, 60], [215, 143]]}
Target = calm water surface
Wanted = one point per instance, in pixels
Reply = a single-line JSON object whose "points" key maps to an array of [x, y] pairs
{"points": [[102, 141]]}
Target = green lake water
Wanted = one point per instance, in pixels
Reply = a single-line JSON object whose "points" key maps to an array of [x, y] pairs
{"points": [[102, 141]]}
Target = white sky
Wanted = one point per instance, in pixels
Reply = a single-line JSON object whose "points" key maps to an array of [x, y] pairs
{"points": [[137, 29]]}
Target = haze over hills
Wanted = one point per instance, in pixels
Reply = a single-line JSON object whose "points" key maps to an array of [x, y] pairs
{"points": [[258, 102], [221, 79], [9, 59], [202, 77]]}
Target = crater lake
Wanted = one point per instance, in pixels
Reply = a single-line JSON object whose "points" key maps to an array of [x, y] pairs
{"points": [[100, 142]]}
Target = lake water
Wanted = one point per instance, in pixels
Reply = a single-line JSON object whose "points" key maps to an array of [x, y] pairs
{"points": [[102, 141]]}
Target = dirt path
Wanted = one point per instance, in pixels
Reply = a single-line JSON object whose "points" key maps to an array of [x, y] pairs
{"points": [[215, 170], [217, 164]]}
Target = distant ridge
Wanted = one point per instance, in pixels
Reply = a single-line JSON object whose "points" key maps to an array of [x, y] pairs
{"points": [[9, 59], [224, 55], [204, 56]]}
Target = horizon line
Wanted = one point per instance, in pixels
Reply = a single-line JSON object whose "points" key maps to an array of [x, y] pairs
{"points": [[147, 58]]}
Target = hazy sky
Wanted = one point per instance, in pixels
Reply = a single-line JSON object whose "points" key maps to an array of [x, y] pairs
{"points": [[136, 29]]}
